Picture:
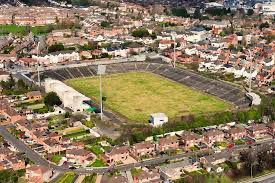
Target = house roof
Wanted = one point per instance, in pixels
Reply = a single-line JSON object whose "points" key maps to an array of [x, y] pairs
{"points": [[217, 156], [236, 130], [78, 152], [119, 150], [34, 93], [39, 168], [143, 145], [168, 140], [190, 136], [3, 72], [257, 127], [213, 133]]}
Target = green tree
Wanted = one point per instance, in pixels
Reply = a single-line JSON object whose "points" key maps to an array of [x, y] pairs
{"points": [[250, 12], [56, 47], [52, 99], [180, 12], [105, 24], [141, 32]]}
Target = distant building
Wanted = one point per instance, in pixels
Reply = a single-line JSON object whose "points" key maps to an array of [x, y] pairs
{"points": [[158, 119]]}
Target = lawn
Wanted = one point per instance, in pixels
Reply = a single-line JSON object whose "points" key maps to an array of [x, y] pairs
{"points": [[98, 163], [136, 95], [77, 134], [56, 159], [96, 149], [67, 178]]}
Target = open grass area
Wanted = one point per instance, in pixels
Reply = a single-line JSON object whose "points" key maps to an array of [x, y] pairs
{"points": [[136, 95], [17, 29]]}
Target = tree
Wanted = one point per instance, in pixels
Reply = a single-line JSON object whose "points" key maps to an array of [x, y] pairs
{"points": [[180, 12], [250, 12], [52, 99], [105, 24], [141, 32], [264, 25], [197, 14], [56, 47]]}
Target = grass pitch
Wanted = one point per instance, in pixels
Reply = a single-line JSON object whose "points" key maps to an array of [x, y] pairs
{"points": [[137, 94]]}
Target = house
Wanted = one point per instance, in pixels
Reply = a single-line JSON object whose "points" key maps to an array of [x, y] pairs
{"points": [[213, 136], [143, 149], [164, 44], [8, 113], [174, 171], [62, 33], [257, 131], [4, 153], [38, 174], [210, 162], [80, 156], [34, 96], [168, 143], [57, 57], [271, 128], [190, 139], [136, 48], [52, 146], [158, 119], [236, 133], [29, 62], [145, 177], [114, 179], [17, 164], [116, 155], [4, 76]]}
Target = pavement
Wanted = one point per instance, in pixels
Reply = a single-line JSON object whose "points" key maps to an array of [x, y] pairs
{"points": [[36, 158], [270, 178], [80, 179]]}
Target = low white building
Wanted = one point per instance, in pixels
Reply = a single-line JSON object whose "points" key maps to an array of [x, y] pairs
{"points": [[158, 119], [70, 98], [57, 57]]}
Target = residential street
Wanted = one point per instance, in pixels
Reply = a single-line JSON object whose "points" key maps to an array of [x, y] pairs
{"points": [[41, 161]]}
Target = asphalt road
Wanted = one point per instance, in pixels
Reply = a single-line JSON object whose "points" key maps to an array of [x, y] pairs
{"points": [[36, 158]]}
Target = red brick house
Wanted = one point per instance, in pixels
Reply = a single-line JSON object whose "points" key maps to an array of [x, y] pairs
{"points": [[145, 177], [143, 148], [167, 143], [116, 155], [38, 174], [80, 156], [17, 164], [34, 95], [190, 139], [257, 130], [213, 136], [236, 133]]}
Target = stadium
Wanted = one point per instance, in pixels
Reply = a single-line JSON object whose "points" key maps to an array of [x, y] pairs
{"points": [[133, 90]]}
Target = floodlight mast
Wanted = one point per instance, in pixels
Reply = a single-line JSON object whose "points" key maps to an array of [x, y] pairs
{"points": [[250, 78], [39, 81], [101, 104]]}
